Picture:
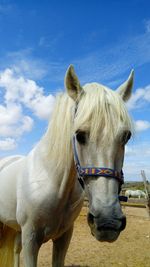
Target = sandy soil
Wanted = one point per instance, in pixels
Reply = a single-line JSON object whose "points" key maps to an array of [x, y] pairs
{"points": [[132, 249]]}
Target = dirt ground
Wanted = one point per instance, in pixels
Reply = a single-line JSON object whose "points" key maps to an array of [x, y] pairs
{"points": [[132, 249]]}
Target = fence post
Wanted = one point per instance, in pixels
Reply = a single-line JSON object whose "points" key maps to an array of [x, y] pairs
{"points": [[147, 190]]}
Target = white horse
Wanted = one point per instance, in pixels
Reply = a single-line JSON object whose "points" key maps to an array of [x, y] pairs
{"points": [[135, 194], [40, 195]]}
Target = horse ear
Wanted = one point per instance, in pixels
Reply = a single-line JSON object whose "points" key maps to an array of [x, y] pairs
{"points": [[125, 90], [72, 84]]}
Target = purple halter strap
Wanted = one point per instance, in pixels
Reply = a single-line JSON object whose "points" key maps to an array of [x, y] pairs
{"points": [[94, 171]]}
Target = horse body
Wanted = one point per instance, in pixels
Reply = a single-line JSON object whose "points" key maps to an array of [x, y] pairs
{"points": [[40, 196], [135, 193]]}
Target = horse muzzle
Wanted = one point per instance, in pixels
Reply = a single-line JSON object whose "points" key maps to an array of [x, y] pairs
{"points": [[106, 229]]}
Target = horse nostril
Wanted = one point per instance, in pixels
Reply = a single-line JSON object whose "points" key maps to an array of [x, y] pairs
{"points": [[123, 223], [90, 218]]}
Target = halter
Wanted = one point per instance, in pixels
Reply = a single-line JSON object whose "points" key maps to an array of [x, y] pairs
{"points": [[94, 171]]}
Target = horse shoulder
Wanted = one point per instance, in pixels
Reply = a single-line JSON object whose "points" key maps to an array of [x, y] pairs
{"points": [[8, 189]]}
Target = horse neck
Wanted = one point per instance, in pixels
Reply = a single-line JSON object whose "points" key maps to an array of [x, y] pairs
{"points": [[63, 178]]}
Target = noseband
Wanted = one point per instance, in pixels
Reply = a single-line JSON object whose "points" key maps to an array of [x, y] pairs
{"points": [[94, 171]]}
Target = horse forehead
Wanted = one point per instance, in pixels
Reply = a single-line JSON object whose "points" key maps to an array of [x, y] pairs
{"points": [[101, 92], [94, 85]]}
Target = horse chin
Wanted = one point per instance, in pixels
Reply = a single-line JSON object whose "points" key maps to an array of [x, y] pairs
{"points": [[106, 230], [106, 235]]}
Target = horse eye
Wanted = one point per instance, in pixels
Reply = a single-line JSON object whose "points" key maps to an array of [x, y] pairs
{"points": [[125, 138], [81, 137]]}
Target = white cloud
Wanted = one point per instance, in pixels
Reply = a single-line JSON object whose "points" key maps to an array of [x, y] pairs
{"points": [[12, 121], [20, 94], [8, 144], [139, 98], [25, 65], [141, 125], [30, 68], [10, 114], [42, 106], [26, 92], [132, 171], [139, 149], [26, 126], [137, 158]]}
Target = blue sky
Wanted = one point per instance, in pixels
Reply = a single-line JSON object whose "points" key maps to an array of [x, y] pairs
{"points": [[103, 39]]}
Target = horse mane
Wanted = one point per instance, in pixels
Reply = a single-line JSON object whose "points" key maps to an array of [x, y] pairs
{"points": [[100, 111], [58, 135]]}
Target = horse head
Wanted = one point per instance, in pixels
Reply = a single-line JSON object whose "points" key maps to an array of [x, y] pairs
{"points": [[101, 129]]}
